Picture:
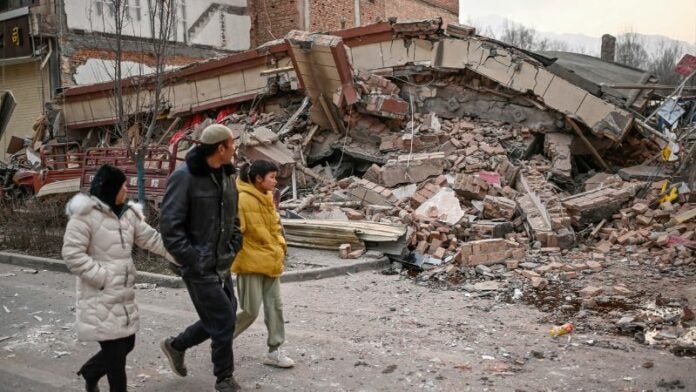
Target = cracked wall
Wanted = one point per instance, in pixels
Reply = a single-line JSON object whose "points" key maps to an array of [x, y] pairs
{"points": [[516, 71]]}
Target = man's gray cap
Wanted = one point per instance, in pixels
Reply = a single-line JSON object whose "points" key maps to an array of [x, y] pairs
{"points": [[215, 133]]}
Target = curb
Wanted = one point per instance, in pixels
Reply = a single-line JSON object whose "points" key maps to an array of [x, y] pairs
{"points": [[176, 282]]}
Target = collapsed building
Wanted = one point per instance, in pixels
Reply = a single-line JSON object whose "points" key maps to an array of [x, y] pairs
{"points": [[456, 155], [387, 114]]}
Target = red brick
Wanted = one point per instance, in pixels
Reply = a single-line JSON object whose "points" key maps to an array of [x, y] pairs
{"points": [[512, 264], [434, 245], [539, 283], [590, 291], [439, 253], [594, 266]]}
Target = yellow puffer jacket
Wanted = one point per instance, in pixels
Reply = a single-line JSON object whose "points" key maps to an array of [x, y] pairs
{"points": [[264, 246]]}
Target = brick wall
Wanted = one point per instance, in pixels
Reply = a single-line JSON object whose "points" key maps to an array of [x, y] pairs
{"points": [[330, 15], [450, 5], [373, 11], [283, 15], [421, 9]]}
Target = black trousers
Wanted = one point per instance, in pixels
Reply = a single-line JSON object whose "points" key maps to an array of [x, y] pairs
{"points": [[216, 306], [110, 361]]}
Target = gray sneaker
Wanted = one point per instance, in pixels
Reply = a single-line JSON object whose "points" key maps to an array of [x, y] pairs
{"points": [[227, 385], [175, 357]]}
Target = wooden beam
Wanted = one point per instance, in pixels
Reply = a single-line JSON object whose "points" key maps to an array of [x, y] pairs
{"points": [[598, 228], [174, 124], [589, 145]]}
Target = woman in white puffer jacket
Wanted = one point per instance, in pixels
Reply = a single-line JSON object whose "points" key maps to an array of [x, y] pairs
{"points": [[97, 247]]}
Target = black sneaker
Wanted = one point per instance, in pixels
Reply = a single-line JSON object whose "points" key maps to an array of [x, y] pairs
{"points": [[90, 385], [227, 385], [175, 357]]}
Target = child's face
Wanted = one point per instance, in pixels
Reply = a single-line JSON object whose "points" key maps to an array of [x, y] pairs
{"points": [[268, 182]]}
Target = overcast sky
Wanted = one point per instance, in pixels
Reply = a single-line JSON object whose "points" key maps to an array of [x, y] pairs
{"points": [[672, 18]]}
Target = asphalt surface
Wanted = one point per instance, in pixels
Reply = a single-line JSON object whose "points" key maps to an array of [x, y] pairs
{"points": [[357, 332]]}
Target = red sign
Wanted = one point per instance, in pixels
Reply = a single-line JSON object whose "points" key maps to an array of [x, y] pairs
{"points": [[686, 66]]}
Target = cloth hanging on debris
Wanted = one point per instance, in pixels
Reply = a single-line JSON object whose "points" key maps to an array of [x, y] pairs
{"points": [[191, 122], [670, 111]]}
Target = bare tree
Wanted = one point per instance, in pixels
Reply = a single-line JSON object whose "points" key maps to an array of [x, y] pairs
{"points": [[528, 38], [162, 15], [486, 31], [664, 60], [630, 51], [545, 44], [519, 36], [138, 98], [120, 16]]}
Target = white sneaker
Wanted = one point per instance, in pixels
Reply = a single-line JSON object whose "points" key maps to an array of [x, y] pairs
{"points": [[278, 359]]}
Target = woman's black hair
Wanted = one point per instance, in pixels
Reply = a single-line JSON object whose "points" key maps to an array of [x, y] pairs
{"points": [[106, 184], [249, 171]]}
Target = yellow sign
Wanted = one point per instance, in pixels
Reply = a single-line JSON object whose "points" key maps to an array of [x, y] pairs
{"points": [[16, 37]]}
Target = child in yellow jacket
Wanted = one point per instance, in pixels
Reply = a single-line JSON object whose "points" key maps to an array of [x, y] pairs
{"points": [[260, 262]]}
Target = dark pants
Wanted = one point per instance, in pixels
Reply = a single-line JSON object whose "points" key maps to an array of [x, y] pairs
{"points": [[110, 361], [216, 306]]}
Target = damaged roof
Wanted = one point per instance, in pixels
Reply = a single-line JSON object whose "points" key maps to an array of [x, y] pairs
{"points": [[598, 73], [377, 48]]}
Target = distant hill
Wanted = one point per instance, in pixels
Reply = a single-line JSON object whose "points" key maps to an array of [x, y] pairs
{"points": [[494, 25]]}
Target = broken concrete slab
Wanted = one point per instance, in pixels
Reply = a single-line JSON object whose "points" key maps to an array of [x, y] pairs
{"points": [[557, 147], [370, 193], [322, 67], [601, 180], [595, 205], [412, 168], [644, 173], [512, 69]]}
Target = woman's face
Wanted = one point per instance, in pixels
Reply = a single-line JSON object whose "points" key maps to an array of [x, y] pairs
{"points": [[267, 183], [121, 195]]}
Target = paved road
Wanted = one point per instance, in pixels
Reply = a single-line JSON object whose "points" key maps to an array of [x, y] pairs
{"points": [[363, 332]]}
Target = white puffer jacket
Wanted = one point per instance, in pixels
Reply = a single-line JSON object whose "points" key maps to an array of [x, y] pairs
{"points": [[97, 247]]}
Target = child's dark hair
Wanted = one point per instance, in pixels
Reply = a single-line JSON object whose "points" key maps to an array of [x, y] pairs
{"points": [[249, 171]]}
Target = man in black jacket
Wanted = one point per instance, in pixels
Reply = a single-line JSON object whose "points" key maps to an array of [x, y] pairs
{"points": [[200, 229]]}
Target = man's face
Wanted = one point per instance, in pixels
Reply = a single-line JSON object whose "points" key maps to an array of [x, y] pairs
{"points": [[226, 150]]}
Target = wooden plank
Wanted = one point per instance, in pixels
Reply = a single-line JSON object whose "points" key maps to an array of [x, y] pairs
{"points": [[589, 145], [364, 229]]}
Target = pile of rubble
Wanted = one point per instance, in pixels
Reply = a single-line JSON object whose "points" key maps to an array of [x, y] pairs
{"points": [[478, 165]]}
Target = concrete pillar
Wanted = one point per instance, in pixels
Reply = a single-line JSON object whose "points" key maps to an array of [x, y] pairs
{"points": [[608, 47]]}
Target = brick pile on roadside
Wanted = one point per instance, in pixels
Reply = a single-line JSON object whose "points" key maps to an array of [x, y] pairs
{"points": [[469, 205]]}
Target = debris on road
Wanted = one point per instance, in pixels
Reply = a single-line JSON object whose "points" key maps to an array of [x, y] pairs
{"points": [[471, 163]]}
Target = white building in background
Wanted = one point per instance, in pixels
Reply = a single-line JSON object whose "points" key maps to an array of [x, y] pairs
{"points": [[222, 24]]}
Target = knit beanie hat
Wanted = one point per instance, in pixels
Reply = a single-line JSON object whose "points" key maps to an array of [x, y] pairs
{"points": [[215, 133], [106, 184]]}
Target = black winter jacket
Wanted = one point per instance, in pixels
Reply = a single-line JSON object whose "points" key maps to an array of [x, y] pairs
{"points": [[198, 219]]}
